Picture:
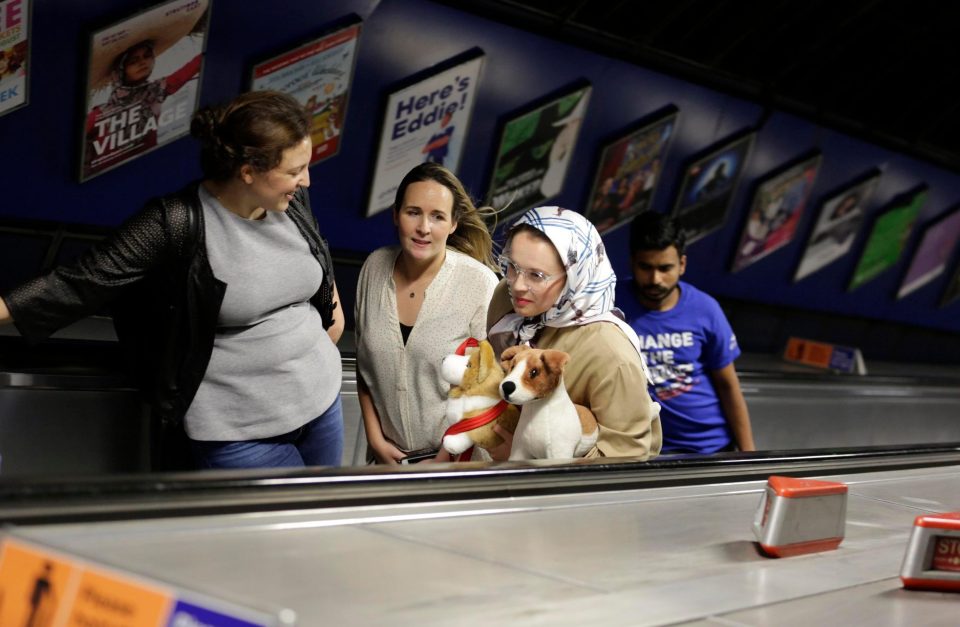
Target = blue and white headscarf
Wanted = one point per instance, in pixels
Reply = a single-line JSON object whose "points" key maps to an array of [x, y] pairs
{"points": [[591, 282]]}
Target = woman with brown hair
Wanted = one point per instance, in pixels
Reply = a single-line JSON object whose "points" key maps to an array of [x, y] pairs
{"points": [[224, 294], [416, 302]]}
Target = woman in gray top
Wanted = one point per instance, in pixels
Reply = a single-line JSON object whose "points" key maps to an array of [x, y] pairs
{"points": [[225, 293]]}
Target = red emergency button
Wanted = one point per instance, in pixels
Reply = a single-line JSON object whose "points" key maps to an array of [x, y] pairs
{"points": [[792, 488], [932, 560]]}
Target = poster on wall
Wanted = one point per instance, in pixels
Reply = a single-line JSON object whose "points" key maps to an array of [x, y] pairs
{"points": [[775, 212], [629, 171], [836, 228], [14, 53], [426, 120], [931, 257], [887, 238], [318, 74], [534, 151], [708, 185], [143, 83]]}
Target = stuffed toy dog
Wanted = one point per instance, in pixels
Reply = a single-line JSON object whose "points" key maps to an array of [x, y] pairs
{"points": [[551, 426], [474, 405]]}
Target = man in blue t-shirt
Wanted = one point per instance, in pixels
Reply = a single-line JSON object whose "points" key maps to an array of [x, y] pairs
{"points": [[687, 342]]}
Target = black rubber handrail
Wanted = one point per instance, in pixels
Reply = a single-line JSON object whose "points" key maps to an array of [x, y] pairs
{"points": [[57, 500]]}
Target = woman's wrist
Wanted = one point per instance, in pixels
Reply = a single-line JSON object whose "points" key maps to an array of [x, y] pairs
{"points": [[375, 438], [5, 317]]}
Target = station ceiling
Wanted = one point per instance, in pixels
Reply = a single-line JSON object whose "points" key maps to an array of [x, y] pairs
{"points": [[884, 70]]}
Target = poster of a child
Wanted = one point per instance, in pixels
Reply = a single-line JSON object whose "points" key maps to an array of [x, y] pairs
{"points": [[143, 83]]}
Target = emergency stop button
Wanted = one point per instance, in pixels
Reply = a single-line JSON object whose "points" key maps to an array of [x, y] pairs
{"points": [[798, 516], [932, 560]]}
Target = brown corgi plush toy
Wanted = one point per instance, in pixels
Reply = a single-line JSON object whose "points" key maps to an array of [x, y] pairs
{"points": [[474, 405]]}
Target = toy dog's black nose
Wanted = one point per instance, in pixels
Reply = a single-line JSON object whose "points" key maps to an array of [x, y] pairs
{"points": [[507, 388]]}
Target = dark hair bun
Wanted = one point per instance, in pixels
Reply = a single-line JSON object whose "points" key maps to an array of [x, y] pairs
{"points": [[204, 124]]}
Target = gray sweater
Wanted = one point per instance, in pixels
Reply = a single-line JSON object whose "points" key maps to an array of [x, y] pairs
{"points": [[273, 367]]}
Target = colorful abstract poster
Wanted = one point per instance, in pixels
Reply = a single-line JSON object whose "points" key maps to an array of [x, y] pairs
{"points": [[836, 228], [886, 240], [425, 121], [628, 173], [143, 83], [777, 206], [708, 187], [534, 152], [930, 260], [318, 74], [14, 53]]}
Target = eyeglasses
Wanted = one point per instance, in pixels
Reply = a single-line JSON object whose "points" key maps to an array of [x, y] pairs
{"points": [[534, 278]]}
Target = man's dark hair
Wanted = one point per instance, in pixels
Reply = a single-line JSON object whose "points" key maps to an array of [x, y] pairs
{"points": [[655, 231]]}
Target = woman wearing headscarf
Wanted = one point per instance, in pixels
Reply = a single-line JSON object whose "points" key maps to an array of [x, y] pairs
{"points": [[558, 293]]}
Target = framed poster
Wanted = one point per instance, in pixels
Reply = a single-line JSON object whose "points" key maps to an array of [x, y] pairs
{"points": [[534, 151], [14, 54], [836, 228], [887, 238], [143, 83], [426, 120], [628, 172], [318, 74], [708, 185], [775, 212], [930, 259], [952, 292]]}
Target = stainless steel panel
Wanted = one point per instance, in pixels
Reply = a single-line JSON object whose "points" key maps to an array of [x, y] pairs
{"points": [[788, 412], [54, 424], [879, 603], [631, 557], [354, 439], [800, 413], [57, 432]]}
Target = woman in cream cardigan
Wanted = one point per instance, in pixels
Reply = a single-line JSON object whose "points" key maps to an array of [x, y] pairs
{"points": [[416, 302]]}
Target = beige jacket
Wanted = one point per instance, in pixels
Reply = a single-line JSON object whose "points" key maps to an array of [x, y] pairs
{"points": [[604, 373]]}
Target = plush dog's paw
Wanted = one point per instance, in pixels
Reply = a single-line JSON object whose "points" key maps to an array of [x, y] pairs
{"points": [[457, 443]]}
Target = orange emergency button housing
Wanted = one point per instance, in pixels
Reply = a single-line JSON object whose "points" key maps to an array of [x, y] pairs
{"points": [[932, 560], [798, 516]]}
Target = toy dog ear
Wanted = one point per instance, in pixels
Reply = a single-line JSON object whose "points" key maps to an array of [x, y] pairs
{"points": [[488, 361], [554, 360], [506, 357]]}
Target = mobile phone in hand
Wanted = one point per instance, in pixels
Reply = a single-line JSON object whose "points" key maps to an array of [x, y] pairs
{"points": [[419, 455]]}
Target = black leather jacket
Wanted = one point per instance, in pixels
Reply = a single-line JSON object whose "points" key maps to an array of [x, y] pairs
{"points": [[155, 276]]}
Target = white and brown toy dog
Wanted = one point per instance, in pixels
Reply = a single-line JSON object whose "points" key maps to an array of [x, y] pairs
{"points": [[551, 426]]}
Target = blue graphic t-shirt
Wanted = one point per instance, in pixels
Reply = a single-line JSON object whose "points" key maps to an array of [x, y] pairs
{"points": [[681, 345]]}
